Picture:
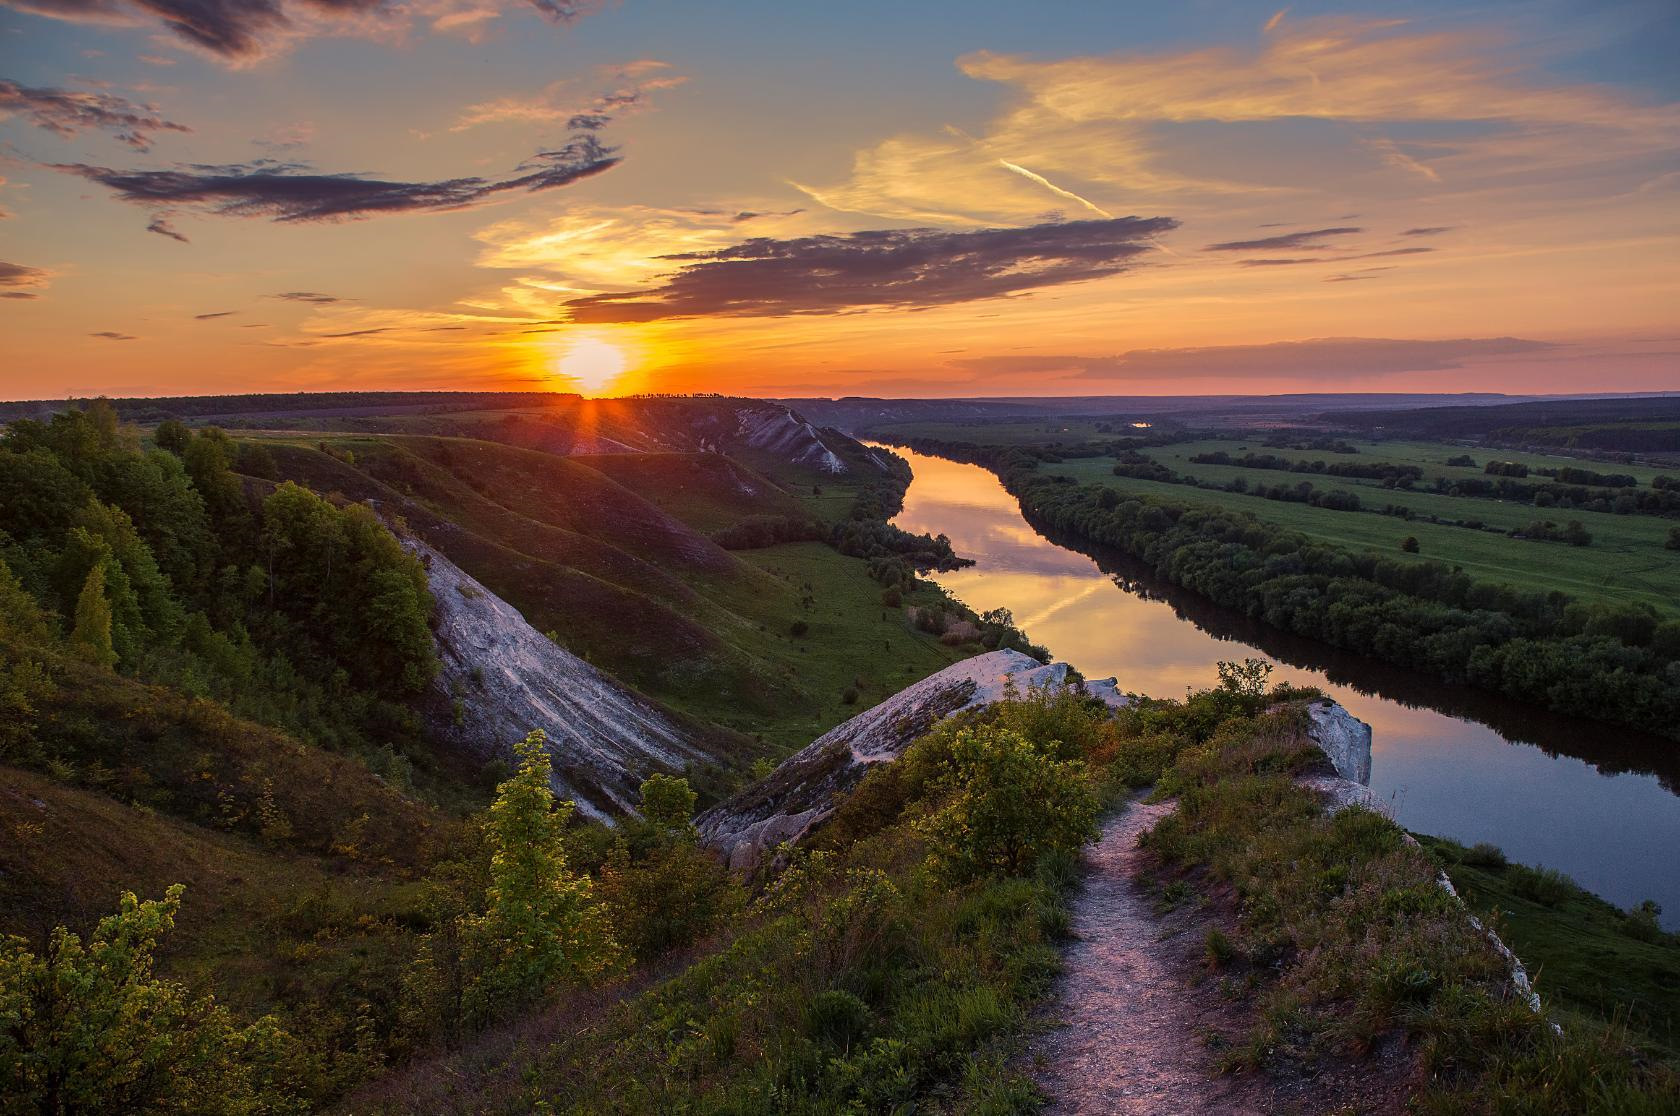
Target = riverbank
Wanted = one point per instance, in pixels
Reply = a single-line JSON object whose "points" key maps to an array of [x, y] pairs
{"points": [[1539, 648], [1572, 795]]}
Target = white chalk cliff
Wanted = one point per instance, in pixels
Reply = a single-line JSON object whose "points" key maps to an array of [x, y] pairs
{"points": [[508, 678]]}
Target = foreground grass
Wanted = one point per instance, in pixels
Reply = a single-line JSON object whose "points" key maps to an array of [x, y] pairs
{"points": [[1594, 964], [1349, 939]]}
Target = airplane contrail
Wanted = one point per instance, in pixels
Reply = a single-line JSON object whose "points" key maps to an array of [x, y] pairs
{"points": [[1053, 188]]}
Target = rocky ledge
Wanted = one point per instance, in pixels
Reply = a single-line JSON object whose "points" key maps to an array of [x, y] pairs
{"points": [[807, 786]]}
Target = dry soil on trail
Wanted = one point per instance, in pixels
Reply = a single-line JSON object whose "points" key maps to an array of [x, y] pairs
{"points": [[1136, 1007]]}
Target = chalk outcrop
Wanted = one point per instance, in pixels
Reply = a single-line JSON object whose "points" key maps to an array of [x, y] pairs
{"points": [[501, 678], [783, 432], [805, 788], [1344, 739]]}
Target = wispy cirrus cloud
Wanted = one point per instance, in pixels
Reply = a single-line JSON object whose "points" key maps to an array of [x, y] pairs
{"points": [[22, 282], [294, 192], [1472, 110], [243, 31], [113, 335], [903, 268], [67, 112], [213, 315]]}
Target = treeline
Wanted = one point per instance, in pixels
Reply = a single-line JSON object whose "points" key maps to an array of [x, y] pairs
{"points": [[166, 564], [1567, 474], [1401, 476], [1656, 500], [1616, 663], [1141, 467]]}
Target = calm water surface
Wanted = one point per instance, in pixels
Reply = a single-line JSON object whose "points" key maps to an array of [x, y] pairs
{"points": [[1591, 800]]}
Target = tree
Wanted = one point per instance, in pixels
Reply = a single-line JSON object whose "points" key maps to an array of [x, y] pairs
{"points": [[1005, 802], [542, 927], [1409, 544], [1673, 542], [662, 888], [86, 1027], [172, 435], [91, 637], [668, 802]]}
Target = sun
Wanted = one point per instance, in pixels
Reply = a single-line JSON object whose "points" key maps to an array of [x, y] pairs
{"points": [[592, 364]]}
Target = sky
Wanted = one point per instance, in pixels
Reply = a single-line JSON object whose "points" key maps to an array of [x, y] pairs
{"points": [[791, 199]]}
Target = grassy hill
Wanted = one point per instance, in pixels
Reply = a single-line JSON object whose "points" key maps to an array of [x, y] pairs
{"points": [[632, 584]]}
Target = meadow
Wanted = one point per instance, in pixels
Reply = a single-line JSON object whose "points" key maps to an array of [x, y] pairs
{"points": [[1628, 561]]}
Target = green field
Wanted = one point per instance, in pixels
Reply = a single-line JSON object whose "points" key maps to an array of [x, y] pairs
{"points": [[1626, 562]]}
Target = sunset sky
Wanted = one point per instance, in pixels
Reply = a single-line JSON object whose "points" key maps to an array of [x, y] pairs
{"points": [[816, 199]]}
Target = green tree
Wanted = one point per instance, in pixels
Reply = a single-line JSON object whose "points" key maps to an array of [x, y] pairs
{"points": [[172, 435], [542, 927], [668, 802], [1004, 801], [662, 889], [91, 637], [87, 1028]]}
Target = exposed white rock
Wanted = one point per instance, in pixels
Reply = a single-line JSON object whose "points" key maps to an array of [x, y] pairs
{"points": [[807, 786], [1344, 738], [782, 432], [510, 678]]}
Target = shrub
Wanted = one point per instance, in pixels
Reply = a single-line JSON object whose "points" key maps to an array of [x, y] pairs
{"points": [[541, 926], [837, 1018], [798, 629], [1409, 544], [88, 1028], [1007, 801], [1484, 855], [1546, 886]]}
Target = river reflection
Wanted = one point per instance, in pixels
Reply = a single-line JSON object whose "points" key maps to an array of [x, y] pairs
{"points": [[1610, 823]]}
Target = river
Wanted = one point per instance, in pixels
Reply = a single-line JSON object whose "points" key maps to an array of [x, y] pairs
{"points": [[1591, 800]]}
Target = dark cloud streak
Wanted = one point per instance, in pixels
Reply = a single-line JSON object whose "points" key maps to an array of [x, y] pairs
{"points": [[66, 112], [242, 30], [294, 192], [905, 268], [18, 280], [1310, 241], [1329, 358]]}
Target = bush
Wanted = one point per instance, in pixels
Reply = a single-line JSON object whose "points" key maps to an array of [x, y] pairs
{"points": [[1484, 855], [88, 1028], [798, 629], [1005, 801], [1546, 886], [837, 1018]]}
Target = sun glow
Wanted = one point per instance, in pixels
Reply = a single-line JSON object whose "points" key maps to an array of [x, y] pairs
{"points": [[592, 364]]}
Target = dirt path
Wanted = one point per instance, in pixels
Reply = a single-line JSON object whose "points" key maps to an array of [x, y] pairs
{"points": [[1131, 1042]]}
